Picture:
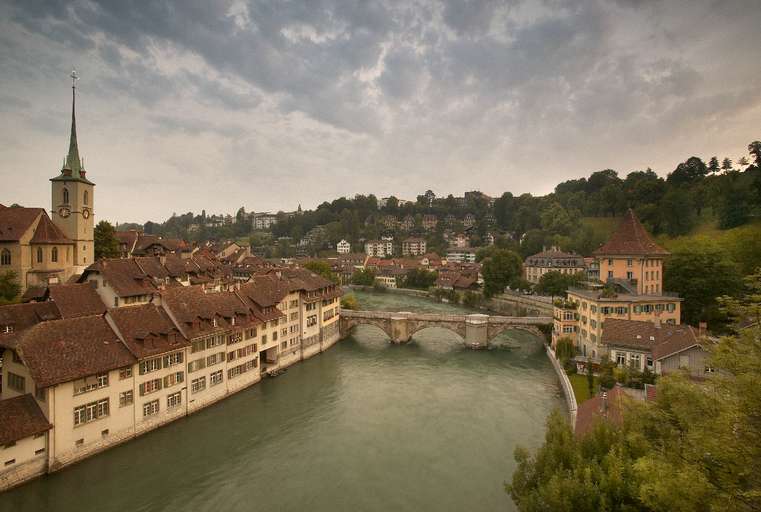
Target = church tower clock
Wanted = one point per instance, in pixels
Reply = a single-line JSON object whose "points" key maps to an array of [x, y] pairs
{"points": [[73, 198]]}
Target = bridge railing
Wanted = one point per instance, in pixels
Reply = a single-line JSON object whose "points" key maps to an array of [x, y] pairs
{"points": [[446, 317]]}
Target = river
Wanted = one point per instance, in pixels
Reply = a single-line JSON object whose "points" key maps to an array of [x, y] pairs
{"points": [[365, 426]]}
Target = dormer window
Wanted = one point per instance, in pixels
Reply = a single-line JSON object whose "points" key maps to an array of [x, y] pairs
{"points": [[6, 329], [214, 322]]}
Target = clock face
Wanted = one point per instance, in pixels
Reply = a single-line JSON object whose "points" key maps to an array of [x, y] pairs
{"points": [[86, 213], [64, 212]]}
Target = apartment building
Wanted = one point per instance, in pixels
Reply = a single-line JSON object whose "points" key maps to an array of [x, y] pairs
{"points": [[379, 248], [552, 260], [413, 247], [631, 264]]}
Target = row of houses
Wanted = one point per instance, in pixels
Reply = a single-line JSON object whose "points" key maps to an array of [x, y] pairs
{"points": [[82, 373]]}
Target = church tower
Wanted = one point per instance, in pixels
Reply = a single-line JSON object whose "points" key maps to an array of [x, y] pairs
{"points": [[73, 199]]}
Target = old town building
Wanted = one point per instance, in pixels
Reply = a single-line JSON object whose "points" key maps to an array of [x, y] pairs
{"points": [[132, 368], [631, 266], [553, 260]]}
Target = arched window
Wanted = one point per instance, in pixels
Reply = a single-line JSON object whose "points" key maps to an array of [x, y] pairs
{"points": [[86, 197], [54, 254], [5, 257], [65, 195], [39, 255]]}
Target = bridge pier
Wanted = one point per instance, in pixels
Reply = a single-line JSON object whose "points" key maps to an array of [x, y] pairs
{"points": [[477, 331], [400, 332]]}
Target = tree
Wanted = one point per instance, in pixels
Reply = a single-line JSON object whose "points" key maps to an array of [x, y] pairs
{"points": [[694, 448], [106, 243], [754, 148], [499, 270], [700, 270], [9, 287], [734, 203], [532, 242], [677, 213], [726, 164], [322, 268], [363, 277], [742, 162], [688, 172], [420, 278], [556, 283], [564, 349], [713, 165]]}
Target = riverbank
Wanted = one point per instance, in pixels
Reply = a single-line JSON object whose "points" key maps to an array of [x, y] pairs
{"points": [[362, 426]]}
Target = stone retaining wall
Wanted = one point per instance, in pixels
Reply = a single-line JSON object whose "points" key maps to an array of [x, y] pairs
{"points": [[565, 384], [23, 472]]}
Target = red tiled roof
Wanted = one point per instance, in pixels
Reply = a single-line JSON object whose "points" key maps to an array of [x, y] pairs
{"points": [[594, 410], [630, 239], [195, 309], [48, 233], [662, 341], [123, 275], [147, 330], [151, 266], [15, 222], [75, 300], [64, 350], [23, 316], [21, 417]]}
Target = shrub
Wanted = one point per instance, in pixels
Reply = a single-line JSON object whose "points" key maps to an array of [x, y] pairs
{"points": [[472, 299], [607, 381], [349, 302]]}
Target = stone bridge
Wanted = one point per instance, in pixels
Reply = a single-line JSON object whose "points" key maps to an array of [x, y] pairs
{"points": [[476, 330]]}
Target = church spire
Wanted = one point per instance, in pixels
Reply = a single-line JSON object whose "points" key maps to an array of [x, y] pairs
{"points": [[73, 162]]}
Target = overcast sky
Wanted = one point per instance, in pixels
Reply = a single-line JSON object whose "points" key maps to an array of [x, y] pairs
{"points": [[217, 104]]}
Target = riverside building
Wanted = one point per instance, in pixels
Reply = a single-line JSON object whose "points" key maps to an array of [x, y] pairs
{"points": [[137, 342], [631, 270]]}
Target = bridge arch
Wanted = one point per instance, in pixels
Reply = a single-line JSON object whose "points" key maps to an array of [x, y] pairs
{"points": [[348, 325], [497, 329], [458, 328]]}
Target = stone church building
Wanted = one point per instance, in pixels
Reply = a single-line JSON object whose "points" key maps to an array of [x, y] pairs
{"points": [[44, 249]]}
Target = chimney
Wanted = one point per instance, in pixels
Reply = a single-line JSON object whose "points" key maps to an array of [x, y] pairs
{"points": [[702, 329], [604, 405]]}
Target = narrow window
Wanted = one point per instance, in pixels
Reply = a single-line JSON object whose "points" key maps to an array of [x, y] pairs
{"points": [[86, 198], [5, 257], [65, 196], [39, 255], [54, 254]]}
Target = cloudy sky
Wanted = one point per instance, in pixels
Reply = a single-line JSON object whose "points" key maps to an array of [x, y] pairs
{"points": [[216, 104]]}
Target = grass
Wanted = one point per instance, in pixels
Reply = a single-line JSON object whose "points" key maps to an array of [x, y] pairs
{"points": [[602, 227], [580, 387]]}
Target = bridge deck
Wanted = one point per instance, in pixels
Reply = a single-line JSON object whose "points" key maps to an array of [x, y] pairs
{"points": [[443, 317]]}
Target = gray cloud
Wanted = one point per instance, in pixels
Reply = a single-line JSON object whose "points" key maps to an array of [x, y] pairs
{"points": [[384, 97]]}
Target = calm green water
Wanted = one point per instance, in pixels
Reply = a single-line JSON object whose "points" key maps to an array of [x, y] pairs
{"points": [[365, 426]]}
